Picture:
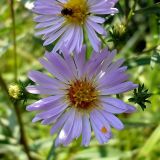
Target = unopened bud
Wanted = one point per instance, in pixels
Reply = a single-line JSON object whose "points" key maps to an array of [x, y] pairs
{"points": [[14, 91], [120, 29]]}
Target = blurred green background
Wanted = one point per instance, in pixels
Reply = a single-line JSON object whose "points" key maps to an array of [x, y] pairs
{"points": [[134, 32]]}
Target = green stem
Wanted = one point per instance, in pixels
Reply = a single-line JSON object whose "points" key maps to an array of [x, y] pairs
{"points": [[14, 38], [131, 13], [23, 139], [103, 41], [15, 105], [3, 85], [52, 154]]}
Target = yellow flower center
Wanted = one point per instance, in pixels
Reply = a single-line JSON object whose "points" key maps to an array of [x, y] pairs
{"points": [[82, 95], [75, 11]]}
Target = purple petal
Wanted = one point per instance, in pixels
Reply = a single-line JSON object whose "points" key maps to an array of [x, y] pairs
{"points": [[77, 127], [114, 102], [41, 78], [98, 122], [44, 104], [52, 112], [96, 19], [130, 109], [86, 130], [93, 37], [51, 119], [60, 65], [112, 109], [113, 120], [50, 68], [44, 90], [60, 122], [120, 88], [66, 130]]}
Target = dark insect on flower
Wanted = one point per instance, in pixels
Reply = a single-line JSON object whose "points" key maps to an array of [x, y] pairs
{"points": [[64, 16], [67, 12], [140, 96]]}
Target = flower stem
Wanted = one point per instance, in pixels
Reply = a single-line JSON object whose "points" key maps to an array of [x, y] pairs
{"points": [[131, 12], [23, 139], [52, 154], [11, 2]]}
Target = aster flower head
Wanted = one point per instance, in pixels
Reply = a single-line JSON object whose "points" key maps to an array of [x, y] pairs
{"points": [[80, 95], [65, 21]]}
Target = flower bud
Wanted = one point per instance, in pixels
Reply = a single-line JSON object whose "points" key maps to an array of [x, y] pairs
{"points": [[14, 91], [120, 30]]}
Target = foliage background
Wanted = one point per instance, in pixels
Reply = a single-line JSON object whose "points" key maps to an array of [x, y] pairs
{"points": [[135, 33]]}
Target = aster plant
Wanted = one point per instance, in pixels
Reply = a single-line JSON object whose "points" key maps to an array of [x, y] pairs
{"points": [[65, 21], [80, 95]]}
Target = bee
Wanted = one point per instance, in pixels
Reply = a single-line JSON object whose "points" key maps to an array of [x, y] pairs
{"points": [[67, 12]]}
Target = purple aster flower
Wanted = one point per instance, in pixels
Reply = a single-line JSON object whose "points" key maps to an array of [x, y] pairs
{"points": [[80, 95], [65, 21]]}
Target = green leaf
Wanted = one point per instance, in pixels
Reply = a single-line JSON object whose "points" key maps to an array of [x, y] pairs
{"points": [[134, 62], [150, 143], [4, 49], [155, 58], [154, 9], [14, 151]]}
